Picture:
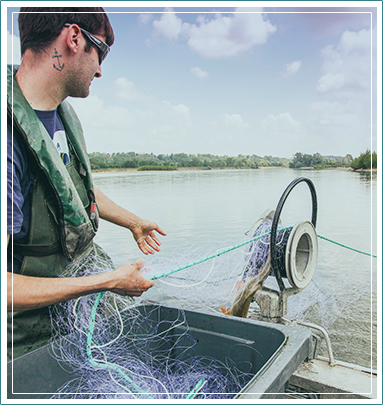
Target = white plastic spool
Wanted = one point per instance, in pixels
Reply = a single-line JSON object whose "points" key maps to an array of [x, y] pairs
{"points": [[301, 254]]}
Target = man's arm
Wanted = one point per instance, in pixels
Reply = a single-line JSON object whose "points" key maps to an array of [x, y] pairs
{"points": [[24, 292], [143, 231]]}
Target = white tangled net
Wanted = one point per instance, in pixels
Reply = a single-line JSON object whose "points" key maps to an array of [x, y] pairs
{"points": [[118, 347]]}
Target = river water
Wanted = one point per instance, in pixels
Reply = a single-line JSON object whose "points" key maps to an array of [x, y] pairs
{"points": [[219, 206]]}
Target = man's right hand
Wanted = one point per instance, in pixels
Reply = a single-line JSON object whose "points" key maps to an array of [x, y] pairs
{"points": [[127, 279], [25, 292]]}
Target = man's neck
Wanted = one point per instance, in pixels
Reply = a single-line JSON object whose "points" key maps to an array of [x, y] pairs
{"points": [[40, 87]]}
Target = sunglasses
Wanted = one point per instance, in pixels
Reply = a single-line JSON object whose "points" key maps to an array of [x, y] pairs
{"points": [[102, 48]]}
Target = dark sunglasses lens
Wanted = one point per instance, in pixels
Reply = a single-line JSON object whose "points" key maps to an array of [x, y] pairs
{"points": [[102, 54], [102, 49]]}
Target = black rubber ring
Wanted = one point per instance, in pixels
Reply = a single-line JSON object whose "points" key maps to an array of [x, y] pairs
{"points": [[274, 226]]}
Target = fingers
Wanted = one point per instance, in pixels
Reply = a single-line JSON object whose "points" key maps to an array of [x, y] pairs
{"points": [[145, 248], [140, 263], [147, 242], [138, 293], [155, 227], [129, 279], [160, 230], [146, 284], [155, 239]]}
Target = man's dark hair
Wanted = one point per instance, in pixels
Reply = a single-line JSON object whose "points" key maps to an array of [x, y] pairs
{"points": [[40, 26]]}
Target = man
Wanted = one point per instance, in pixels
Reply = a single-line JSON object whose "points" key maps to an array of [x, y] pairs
{"points": [[53, 207]]}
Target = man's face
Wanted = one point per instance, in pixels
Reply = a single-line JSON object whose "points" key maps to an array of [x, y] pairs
{"points": [[85, 70]]}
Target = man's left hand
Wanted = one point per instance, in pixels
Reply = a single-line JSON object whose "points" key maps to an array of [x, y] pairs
{"points": [[146, 238]]}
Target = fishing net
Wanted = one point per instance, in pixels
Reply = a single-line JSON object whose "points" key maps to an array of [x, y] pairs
{"points": [[216, 282], [117, 347]]}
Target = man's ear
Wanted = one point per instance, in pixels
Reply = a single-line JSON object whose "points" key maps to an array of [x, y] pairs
{"points": [[73, 38]]}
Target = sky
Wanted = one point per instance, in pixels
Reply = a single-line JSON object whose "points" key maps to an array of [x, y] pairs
{"points": [[233, 80]]}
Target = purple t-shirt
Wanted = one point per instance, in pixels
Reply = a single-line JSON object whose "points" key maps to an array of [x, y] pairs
{"points": [[20, 180]]}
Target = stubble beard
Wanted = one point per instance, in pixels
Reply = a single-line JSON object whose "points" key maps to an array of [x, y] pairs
{"points": [[78, 83]]}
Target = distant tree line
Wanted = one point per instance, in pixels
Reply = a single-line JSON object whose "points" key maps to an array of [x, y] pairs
{"points": [[146, 161], [318, 161], [136, 160], [366, 160]]}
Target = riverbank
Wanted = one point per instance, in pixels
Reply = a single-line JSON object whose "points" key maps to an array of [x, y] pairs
{"points": [[126, 170], [179, 169], [366, 170]]}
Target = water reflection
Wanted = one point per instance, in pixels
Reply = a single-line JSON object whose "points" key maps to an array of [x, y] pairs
{"points": [[367, 176]]}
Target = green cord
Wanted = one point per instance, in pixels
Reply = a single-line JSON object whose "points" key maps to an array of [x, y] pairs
{"points": [[168, 273], [105, 365], [211, 256], [194, 391], [347, 247], [114, 367]]}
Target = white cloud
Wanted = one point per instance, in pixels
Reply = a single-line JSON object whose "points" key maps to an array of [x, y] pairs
{"points": [[13, 44], [169, 25], [280, 134], [292, 68], [226, 36], [178, 113], [282, 123], [335, 113], [108, 118], [331, 82], [196, 71], [126, 90], [341, 127], [182, 110], [117, 128], [235, 121], [220, 36], [342, 112], [145, 18], [347, 66]]}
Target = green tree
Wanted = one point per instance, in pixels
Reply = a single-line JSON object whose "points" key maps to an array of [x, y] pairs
{"points": [[195, 162], [131, 163], [365, 160]]}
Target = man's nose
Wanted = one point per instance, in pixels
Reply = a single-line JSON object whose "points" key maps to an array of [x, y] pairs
{"points": [[98, 73]]}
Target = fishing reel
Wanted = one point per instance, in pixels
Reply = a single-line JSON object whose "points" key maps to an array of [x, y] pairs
{"points": [[298, 261], [294, 258]]}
